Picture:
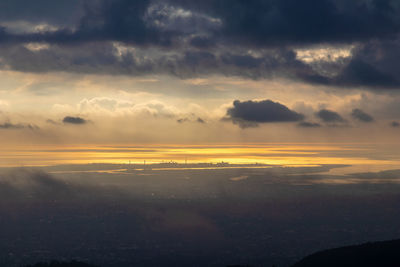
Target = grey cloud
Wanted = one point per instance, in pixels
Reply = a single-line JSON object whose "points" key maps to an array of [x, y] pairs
{"points": [[250, 113], [329, 116], [52, 121], [361, 115], [200, 120], [395, 124], [306, 124], [74, 120], [9, 125], [182, 120]]}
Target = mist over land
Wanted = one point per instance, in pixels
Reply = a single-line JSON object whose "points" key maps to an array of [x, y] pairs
{"points": [[212, 217]]}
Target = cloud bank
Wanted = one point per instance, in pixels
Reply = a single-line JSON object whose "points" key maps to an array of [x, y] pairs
{"points": [[253, 39]]}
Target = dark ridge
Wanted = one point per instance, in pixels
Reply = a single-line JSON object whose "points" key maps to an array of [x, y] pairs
{"points": [[62, 264], [376, 254]]}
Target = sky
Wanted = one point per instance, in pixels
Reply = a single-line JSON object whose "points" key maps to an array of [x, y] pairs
{"points": [[182, 72]]}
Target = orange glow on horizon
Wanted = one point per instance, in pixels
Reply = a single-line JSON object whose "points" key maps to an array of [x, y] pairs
{"points": [[270, 154]]}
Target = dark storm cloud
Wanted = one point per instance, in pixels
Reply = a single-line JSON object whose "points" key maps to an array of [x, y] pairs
{"points": [[250, 113], [105, 58], [86, 58], [74, 120], [255, 22], [358, 73], [105, 20], [306, 124], [61, 12], [202, 42], [188, 38], [329, 116], [286, 22], [361, 115], [374, 64]]}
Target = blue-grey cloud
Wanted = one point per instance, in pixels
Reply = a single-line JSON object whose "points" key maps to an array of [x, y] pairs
{"points": [[103, 58], [250, 113], [395, 124], [74, 120], [361, 115], [200, 120], [61, 12], [10, 126], [182, 120], [329, 116]]}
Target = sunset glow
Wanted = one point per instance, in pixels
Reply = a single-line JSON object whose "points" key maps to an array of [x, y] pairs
{"points": [[269, 154]]}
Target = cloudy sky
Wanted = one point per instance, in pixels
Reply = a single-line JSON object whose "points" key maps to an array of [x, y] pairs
{"points": [[199, 72]]}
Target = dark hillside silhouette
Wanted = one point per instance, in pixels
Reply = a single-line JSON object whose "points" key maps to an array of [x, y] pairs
{"points": [[376, 254]]}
